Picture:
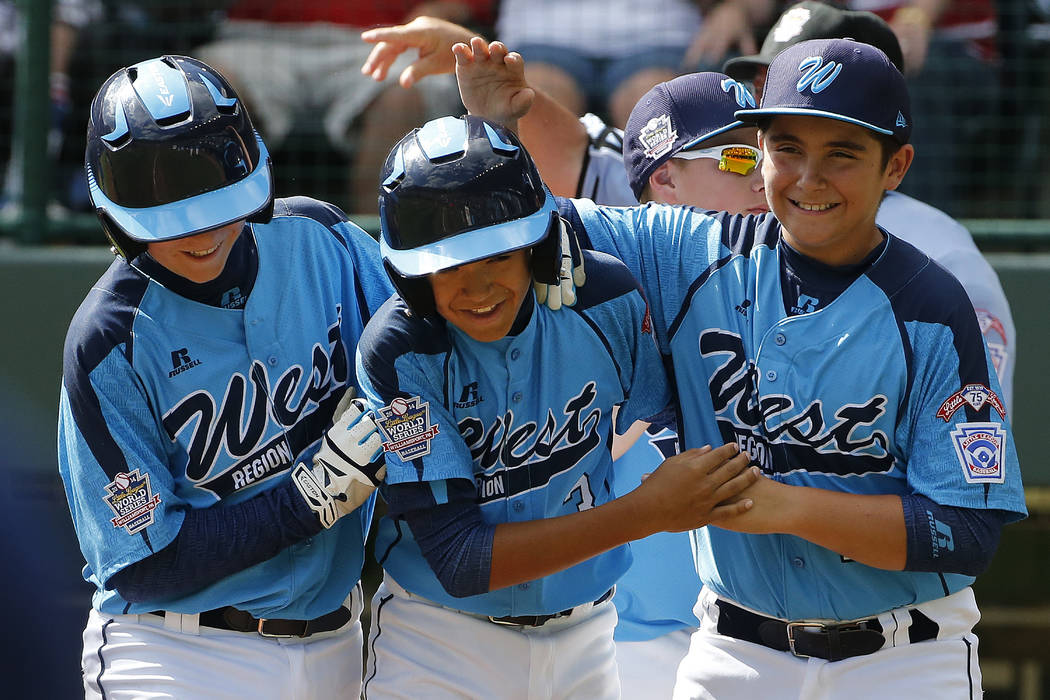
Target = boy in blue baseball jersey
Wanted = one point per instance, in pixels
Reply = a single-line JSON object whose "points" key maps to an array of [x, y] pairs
{"points": [[853, 371], [202, 374], [503, 538]]}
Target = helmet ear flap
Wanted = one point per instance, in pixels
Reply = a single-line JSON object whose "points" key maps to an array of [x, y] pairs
{"points": [[122, 244], [264, 215], [416, 291], [546, 255]]}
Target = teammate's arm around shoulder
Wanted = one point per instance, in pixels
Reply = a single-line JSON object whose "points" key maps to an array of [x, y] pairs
{"points": [[687, 491]]}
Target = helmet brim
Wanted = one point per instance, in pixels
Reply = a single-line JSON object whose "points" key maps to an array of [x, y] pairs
{"points": [[471, 246], [193, 215]]}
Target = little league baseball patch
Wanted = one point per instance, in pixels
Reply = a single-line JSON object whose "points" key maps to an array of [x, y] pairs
{"points": [[405, 425], [980, 448]]}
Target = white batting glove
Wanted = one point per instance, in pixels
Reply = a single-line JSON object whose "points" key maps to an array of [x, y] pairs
{"points": [[572, 274], [348, 467]]}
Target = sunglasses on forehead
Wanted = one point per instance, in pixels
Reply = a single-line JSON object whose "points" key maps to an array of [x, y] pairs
{"points": [[736, 158]]}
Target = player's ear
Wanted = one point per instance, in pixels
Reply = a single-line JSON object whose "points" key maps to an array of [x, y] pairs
{"points": [[897, 166], [662, 184]]}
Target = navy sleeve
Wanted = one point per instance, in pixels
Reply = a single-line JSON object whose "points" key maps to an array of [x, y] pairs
{"points": [[255, 530], [452, 536], [950, 539]]}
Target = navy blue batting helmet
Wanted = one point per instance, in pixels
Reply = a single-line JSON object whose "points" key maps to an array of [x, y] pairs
{"points": [[455, 191], [171, 152]]}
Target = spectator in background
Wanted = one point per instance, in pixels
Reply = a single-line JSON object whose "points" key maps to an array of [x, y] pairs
{"points": [[68, 18], [603, 55], [294, 60]]}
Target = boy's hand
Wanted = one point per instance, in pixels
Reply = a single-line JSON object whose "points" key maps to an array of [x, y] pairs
{"points": [[697, 487], [433, 38], [492, 81], [348, 467], [571, 275]]}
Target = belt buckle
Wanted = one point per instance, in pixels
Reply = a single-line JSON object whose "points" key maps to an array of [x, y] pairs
{"points": [[273, 635], [803, 624]]}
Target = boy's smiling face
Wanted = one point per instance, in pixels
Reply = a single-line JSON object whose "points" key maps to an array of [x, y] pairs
{"points": [[482, 298], [199, 258], [824, 181]]}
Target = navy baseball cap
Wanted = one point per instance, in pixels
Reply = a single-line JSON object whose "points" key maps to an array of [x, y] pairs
{"points": [[838, 79], [678, 115], [817, 20]]}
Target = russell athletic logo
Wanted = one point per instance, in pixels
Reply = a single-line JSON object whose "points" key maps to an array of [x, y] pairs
{"points": [[469, 397], [181, 361]]}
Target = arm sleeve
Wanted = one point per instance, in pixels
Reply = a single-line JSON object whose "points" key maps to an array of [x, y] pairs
{"points": [[452, 536], [252, 532], [949, 539]]}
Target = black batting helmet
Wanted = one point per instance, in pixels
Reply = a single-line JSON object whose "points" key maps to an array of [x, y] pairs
{"points": [[171, 152], [457, 190]]}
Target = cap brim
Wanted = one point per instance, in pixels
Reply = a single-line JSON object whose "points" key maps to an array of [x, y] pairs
{"points": [[710, 135], [753, 116], [745, 67], [196, 214], [471, 246]]}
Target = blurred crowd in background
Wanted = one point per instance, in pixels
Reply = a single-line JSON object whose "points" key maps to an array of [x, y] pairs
{"points": [[978, 69]]}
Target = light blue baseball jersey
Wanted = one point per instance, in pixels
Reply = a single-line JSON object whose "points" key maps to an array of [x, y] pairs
{"points": [[527, 419], [889, 389], [168, 404], [657, 594]]}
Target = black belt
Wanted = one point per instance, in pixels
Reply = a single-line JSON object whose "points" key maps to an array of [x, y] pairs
{"points": [[230, 618], [832, 641], [537, 620]]}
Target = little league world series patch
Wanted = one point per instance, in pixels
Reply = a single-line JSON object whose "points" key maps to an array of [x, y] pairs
{"points": [[405, 425], [131, 499], [658, 136]]}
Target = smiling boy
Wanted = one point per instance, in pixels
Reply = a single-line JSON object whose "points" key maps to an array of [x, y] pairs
{"points": [[853, 371], [503, 537], [203, 373]]}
